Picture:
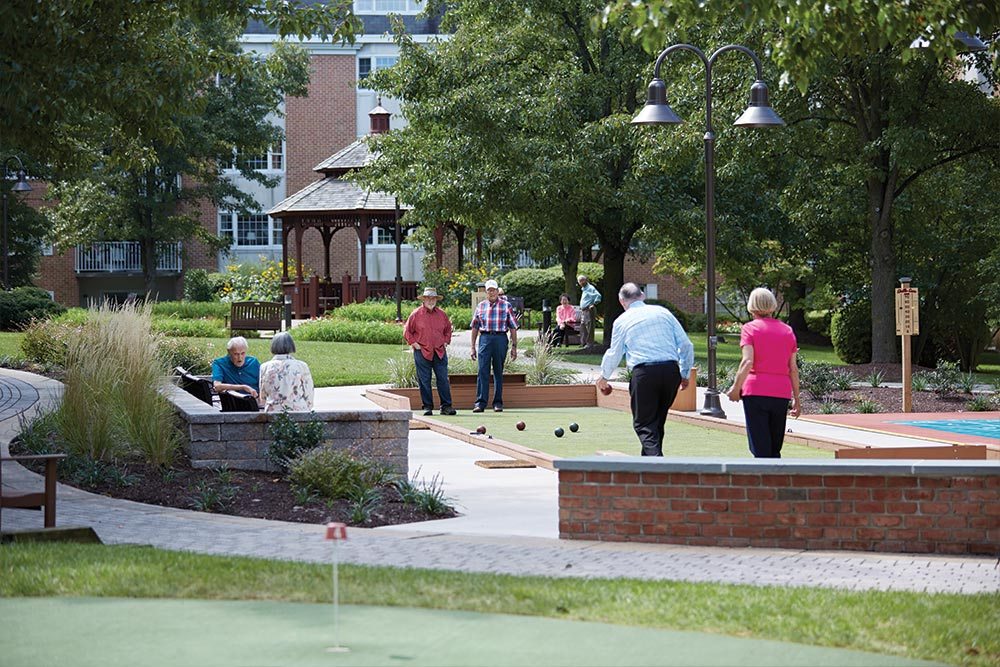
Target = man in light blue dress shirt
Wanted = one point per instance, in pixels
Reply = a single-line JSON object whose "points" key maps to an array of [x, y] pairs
{"points": [[659, 354], [589, 298]]}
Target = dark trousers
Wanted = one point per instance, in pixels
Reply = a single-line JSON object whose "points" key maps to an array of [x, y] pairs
{"points": [[765, 419], [491, 350], [440, 367], [652, 390]]}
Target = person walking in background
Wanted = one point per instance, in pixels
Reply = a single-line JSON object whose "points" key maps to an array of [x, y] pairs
{"points": [[428, 331], [492, 322], [768, 377], [237, 371], [660, 355], [589, 298], [285, 382], [565, 320]]}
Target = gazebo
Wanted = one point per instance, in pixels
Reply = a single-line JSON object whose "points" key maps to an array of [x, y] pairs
{"points": [[330, 205]]}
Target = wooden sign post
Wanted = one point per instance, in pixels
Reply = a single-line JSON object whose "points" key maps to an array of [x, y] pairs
{"points": [[907, 324]]}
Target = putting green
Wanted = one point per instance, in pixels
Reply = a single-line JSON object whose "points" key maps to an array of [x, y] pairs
{"points": [[112, 632], [605, 429]]}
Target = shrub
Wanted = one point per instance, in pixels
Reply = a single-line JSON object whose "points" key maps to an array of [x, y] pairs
{"points": [[403, 371], [428, 496], [534, 285], [349, 331], [681, 316], [819, 380], [919, 381], [980, 403], [46, 341], [198, 286], [187, 310], [457, 286], [945, 379], [875, 378], [196, 358], [178, 328], [851, 332], [290, 438], [373, 310], [545, 369], [867, 406], [21, 305], [112, 405], [595, 274], [334, 473], [253, 282], [75, 317]]}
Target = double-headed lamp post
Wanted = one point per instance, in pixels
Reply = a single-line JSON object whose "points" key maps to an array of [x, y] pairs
{"points": [[20, 185], [758, 114]]}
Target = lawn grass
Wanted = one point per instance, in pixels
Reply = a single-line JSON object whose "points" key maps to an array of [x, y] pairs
{"points": [[955, 629], [333, 364], [10, 344], [605, 429]]}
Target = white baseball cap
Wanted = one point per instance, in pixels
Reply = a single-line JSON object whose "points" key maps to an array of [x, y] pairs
{"points": [[492, 284]]}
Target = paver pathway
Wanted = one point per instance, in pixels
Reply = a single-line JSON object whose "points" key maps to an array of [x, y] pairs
{"points": [[119, 521]]}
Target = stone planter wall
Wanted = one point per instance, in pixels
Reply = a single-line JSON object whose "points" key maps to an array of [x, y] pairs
{"points": [[240, 439]]}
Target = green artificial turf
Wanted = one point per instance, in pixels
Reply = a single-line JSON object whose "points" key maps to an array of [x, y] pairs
{"points": [[951, 628], [605, 429]]}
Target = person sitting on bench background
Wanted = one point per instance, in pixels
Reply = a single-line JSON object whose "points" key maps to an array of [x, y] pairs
{"points": [[285, 382], [237, 370], [565, 320]]}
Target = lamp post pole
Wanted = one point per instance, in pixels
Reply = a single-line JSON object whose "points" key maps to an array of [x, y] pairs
{"points": [[758, 114], [399, 266], [21, 185]]}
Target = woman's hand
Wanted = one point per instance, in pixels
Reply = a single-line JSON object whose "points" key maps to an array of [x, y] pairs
{"points": [[734, 394], [796, 409]]}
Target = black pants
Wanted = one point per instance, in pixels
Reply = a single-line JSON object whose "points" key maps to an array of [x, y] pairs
{"points": [[652, 390], [765, 419]]}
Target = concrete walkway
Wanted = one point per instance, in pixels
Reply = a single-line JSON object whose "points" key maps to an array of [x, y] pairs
{"points": [[509, 525]]}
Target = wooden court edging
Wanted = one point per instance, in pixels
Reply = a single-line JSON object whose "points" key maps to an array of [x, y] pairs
{"points": [[514, 451], [915, 506]]}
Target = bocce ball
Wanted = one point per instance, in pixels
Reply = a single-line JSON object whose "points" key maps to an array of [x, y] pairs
{"points": [[559, 432], [481, 429], [574, 427], [520, 426]]}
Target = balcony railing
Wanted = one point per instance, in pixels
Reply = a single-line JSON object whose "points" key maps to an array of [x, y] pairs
{"points": [[125, 257]]}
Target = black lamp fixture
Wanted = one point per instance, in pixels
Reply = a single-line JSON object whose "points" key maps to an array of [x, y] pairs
{"points": [[20, 185], [758, 114]]}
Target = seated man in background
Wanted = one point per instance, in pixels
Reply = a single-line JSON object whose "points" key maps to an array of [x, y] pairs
{"points": [[237, 370]]}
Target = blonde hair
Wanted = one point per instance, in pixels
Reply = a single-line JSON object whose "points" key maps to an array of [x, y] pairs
{"points": [[762, 302]]}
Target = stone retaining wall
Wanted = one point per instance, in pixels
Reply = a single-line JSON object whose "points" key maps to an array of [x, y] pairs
{"points": [[946, 507], [240, 439]]}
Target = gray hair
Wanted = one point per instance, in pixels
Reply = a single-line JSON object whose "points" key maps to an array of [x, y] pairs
{"points": [[631, 292], [583, 278], [762, 302], [282, 343], [237, 341]]}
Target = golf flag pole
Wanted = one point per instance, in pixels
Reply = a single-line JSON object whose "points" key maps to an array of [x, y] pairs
{"points": [[336, 532]]}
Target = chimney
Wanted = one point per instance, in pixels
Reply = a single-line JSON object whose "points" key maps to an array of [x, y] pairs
{"points": [[379, 119]]}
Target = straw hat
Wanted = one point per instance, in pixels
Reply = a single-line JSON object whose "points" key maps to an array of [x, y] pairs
{"points": [[431, 293]]}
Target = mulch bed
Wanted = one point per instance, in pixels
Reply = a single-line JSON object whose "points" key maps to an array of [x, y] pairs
{"points": [[259, 495]]}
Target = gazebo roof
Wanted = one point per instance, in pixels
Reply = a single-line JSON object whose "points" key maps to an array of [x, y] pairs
{"points": [[333, 194], [353, 156]]}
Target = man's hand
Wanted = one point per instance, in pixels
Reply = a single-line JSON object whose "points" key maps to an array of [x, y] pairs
{"points": [[684, 383], [249, 390], [416, 346], [473, 355], [603, 386], [513, 352]]}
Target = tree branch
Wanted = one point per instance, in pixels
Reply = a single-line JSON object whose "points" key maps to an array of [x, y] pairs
{"points": [[951, 158]]}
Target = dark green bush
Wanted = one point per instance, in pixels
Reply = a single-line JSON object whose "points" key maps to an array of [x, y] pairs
{"points": [[46, 341], [171, 326], [21, 305], [290, 438], [198, 286], [335, 473], [534, 285], [191, 310], [851, 332], [348, 331], [194, 357]]}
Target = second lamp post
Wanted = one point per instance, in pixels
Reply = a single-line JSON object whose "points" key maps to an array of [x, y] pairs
{"points": [[758, 114]]}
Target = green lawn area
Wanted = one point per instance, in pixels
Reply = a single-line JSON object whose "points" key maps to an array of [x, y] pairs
{"points": [[954, 629], [10, 344], [604, 429]]}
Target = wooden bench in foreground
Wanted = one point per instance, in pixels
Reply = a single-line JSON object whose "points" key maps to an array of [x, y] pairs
{"points": [[45, 499]]}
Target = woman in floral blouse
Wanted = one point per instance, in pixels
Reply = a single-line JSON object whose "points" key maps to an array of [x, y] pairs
{"points": [[285, 382]]}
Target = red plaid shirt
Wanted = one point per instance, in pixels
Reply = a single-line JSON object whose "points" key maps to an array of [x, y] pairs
{"points": [[497, 317]]}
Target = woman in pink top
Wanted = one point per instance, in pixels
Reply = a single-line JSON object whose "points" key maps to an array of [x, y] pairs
{"points": [[565, 320], [767, 378]]}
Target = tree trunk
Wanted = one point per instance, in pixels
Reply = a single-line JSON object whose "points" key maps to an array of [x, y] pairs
{"points": [[569, 260], [883, 266], [796, 311], [614, 276]]}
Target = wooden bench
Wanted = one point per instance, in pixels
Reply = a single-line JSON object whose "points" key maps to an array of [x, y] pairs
{"points": [[255, 316], [45, 499]]}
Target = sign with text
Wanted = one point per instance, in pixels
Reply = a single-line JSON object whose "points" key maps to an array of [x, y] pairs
{"points": [[907, 311]]}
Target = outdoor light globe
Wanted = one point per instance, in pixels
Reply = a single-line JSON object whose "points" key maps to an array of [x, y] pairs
{"points": [[759, 113]]}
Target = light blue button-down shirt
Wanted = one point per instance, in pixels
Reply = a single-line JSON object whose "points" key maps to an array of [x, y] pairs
{"points": [[589, 297], [647, 334]]}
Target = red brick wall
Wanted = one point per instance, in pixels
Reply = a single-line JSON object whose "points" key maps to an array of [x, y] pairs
{"points": [[869, 512]]}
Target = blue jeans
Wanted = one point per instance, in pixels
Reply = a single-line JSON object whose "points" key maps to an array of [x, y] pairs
{"points": [[440, 367], [492, 352]]}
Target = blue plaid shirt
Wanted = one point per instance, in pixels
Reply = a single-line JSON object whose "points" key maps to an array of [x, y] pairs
{"points": [[647, 334], [495, 317]]}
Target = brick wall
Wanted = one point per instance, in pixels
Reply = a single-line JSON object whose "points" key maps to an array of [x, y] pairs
{"points": [[906, 506]]}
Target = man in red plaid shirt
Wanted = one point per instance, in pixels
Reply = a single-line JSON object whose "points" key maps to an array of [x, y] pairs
{"points": [[492, 322]]}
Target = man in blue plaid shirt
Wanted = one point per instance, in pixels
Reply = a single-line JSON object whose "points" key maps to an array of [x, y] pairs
{"points": [[492, 322]]}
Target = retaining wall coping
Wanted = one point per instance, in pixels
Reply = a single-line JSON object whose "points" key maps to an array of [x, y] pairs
{"points": [[198, 412], [898, 467]]}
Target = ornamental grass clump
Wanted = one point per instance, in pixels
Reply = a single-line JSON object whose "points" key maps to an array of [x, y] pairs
{"points": [[113, 407]]}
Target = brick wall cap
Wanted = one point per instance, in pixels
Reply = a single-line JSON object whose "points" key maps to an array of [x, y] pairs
{"points": [[901, 467]]}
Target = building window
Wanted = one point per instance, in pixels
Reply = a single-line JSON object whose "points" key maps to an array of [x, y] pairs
{"points": [[47, 250], [387, 236], [274, 160], [367, 65], [250, 231], [388, 6]]}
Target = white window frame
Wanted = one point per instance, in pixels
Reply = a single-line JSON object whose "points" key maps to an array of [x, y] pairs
{"points": [[229, 225], [377, 237], [375, 63], [273, 161], [369, 7]]}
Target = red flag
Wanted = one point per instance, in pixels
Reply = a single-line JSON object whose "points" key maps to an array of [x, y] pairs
{"points": [[336, 531]]}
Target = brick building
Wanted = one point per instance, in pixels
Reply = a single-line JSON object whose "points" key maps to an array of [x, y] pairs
{"points": [[333, 115]]}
